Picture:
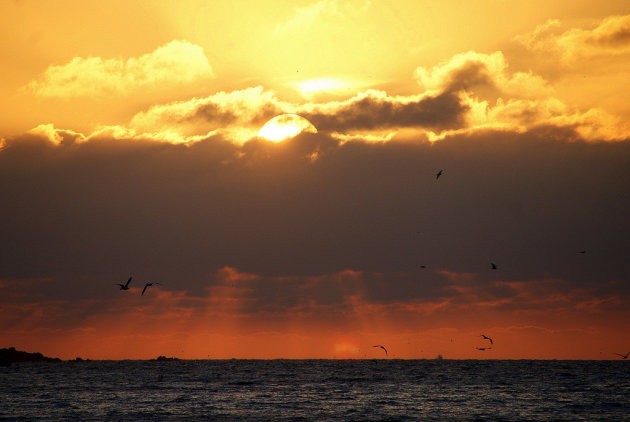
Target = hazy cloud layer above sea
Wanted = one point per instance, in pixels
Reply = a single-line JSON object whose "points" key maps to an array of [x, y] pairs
{"points": [[320, 224]]}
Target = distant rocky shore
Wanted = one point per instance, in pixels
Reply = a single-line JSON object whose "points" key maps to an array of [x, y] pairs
{"points": [[164, 359], [10, 355]]}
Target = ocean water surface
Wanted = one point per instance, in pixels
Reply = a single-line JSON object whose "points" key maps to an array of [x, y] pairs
{"points": [[322, 390]]}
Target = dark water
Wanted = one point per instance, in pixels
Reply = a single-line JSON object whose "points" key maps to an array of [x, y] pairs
{"points": [[334, 390]]}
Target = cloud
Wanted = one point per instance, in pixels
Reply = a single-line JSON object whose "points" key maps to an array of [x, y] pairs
{"points": [[58, 136], [175, 63], [250, 108], [541, 37], [479, 72], [257, 237], [613, 32], [312, 88], [530, 296], [469, 92], [255, 305], [207, 189], [242, 109], [611, 36], [308, 16], [495, 97], [377, 110]]}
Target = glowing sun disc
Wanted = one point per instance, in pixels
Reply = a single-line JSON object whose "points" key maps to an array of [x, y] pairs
{"points": [[285, 126]]}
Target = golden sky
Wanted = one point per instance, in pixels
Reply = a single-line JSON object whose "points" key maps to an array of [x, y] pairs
{"points": [[128, 146]]}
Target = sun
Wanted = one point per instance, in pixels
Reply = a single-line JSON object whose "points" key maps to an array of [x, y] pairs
{"points": [[285, 126]]}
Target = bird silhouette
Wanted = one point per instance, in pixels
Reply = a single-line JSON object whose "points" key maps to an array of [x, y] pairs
{"points": [[487, 338], [124, 286], [493, 265], [423, 266], [382, 347], [439, 173], [582, 252], [145, 287], [623, 356], [483, 348]]}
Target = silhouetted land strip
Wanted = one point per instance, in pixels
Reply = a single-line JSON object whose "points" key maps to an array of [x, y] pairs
{"points": [[164, 359], [10, 355]]}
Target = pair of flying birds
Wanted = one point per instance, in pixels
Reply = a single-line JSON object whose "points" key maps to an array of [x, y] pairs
{"points": [[126, 286], [491, 342], [478, 348]]}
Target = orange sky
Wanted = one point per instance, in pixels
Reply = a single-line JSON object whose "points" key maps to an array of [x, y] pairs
{"points": [[128, 146]]}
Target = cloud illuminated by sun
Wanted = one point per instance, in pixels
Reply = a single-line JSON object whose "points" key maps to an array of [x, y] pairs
{"points": [[174, 64], [285, 126]]}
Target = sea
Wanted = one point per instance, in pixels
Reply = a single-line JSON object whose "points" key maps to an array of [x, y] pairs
{"points": [[316, 390]]}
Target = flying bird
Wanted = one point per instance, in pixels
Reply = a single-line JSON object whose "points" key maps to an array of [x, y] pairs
{"points": [[487, 338], [382, 347], [493, 265], [582, 252], [145, 287], [124, 286], [423, 266], [483, 348], [439, 173], [623, 356]]}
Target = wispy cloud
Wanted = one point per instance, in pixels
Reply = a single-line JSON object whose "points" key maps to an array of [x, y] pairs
{"points": [[610, 36], [305, 17]]}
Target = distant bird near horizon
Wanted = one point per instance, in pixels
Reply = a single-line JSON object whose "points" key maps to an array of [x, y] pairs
{"points": [[623, 356], [483, 348], [493, 265], [487, 338], [582, 252], [145, 287], [124, 286], [439, 173], [423, 266], [382, 347]]}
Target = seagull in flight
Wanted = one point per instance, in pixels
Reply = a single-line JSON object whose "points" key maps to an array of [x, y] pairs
{"points": [[487, 338], [145, 287], [124, 286], [483, 348], [623, 356], [382, 347], [493, 265], [439, 173]]}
